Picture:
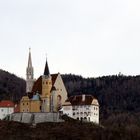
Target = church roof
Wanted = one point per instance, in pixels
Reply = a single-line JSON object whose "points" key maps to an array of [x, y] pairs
{"points": [[37, 87], [54, 76]]}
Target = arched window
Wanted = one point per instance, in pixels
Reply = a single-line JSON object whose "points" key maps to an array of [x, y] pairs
{"points": [[59, 98], [59, 101]]}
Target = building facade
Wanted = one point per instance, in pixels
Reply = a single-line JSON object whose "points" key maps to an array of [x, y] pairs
{"points": [[6, 108], [82, 107]]}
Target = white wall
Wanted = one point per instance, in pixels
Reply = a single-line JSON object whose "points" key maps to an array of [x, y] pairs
{"points": [[4, 111], [88, 113]]}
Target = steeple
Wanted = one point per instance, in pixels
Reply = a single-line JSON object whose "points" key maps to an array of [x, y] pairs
{"points": [[29, 74], [46, 70], [29, 70], [29, 59]]}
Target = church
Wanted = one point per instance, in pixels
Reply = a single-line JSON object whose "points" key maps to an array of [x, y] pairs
{"points": [[46, 94]]}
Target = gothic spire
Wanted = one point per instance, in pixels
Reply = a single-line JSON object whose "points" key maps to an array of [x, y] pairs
{"points": [[29, 59], [29, 74], [46, 70]]}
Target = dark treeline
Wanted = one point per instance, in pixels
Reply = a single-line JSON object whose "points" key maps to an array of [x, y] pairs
{"points": [[115, 93], [11, 86]]}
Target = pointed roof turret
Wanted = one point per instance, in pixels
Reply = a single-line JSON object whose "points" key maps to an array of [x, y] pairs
{"points": [[46, 70], [29, 59]]}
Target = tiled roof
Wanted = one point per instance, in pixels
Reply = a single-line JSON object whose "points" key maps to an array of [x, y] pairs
{"points": [[54, 76], [37, 87], [81, 99], [6, 103]]}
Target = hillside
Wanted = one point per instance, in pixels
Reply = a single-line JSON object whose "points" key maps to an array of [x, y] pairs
{"points": [[118, 95], [11, 86], [65, 131], [115, 93]]}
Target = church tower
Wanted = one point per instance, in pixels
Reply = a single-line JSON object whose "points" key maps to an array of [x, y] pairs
{"points": [[46, 88], [29, 74]]}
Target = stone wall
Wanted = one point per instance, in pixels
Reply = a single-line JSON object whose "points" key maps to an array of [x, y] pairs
{"points": [[35, 117]]}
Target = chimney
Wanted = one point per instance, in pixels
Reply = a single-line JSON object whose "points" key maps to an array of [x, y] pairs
{"points": [[83, 97]]}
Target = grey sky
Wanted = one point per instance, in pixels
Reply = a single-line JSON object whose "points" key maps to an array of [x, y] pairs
{"points": [[86, 37]]}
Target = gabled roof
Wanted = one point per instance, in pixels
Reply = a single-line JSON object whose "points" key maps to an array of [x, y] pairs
{"points": [[81, 100], [37, 87], [95, 102], [54, 76], [6, 103]]}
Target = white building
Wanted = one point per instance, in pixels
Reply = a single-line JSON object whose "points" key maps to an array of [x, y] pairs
{"points": [[6, 108], [82, 107]]}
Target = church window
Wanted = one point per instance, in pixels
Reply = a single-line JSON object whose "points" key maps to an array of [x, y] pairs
{"points": [[77, 118], [23, 103], [59, 98], [73, 113], [27, 103]]}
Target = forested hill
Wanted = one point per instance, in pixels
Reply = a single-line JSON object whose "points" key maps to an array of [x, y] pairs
{"points": [[119, 99], [118, 96], [115, 93], [11, 86]]}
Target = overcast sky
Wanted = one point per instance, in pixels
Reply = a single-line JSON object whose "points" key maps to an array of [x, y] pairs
{"points": [[85, 37]]}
